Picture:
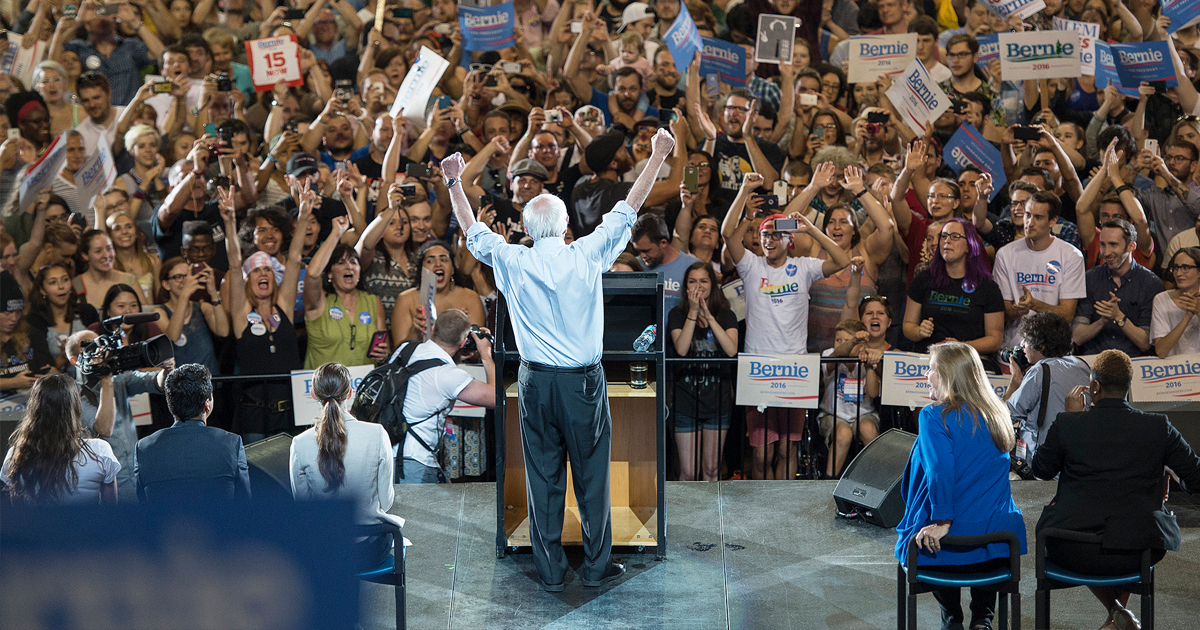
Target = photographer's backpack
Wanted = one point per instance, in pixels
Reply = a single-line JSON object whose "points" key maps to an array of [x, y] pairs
{"points": [[380, 398]]}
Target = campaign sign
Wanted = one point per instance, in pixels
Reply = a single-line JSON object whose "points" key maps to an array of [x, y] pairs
{"points": [[14, 403], [487, 28], [683, 41], [779, 380], [41, 175], [776, 36], [1147, 61], [1106, 70], [726, 60], [418, 84], [1020, 8], [967, 147], [906, 381], [989, 49], [1175, 378], [272, 60], [305, 408], [1182, 13], [874, 55], [917, 97], [1039, 55], [735, 292], [96, 175], [1088, 34]]}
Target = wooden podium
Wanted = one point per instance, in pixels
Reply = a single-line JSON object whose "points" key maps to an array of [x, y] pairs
{"points": [[632, 301]]}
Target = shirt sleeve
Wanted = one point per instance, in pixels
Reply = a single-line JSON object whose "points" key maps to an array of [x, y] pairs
{"points": [[1145, 310], [1025, 401], [993, 301], [386, 491], [298, 472], [609, 238], [937, 453], [109, 464], [451, 381], [1073, 275], [1160, 325], [482, 242], [141, 383], [1001, 274]]}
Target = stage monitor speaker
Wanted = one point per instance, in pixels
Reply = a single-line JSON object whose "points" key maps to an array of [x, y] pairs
{"points": [[269, 460], [871, 483]]}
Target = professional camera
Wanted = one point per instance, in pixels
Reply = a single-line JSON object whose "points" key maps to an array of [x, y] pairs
{"points": [[105, 355], [1015, 354], [471, 346]]}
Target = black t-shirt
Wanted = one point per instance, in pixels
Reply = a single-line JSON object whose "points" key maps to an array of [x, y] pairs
{"points": [[702, 390], [592, 200], [665, 101], [170, 239], [373, 172], [956, 312], [732, 163], [506, 215]]}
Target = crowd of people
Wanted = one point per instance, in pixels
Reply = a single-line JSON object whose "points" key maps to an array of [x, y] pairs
{"points": [[288, 226]]}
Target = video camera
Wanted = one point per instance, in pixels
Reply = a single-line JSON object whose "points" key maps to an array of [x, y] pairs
{"points": [[105, 355]]}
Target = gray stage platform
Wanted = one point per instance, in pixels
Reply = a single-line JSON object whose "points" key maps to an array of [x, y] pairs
{"points": [[742, 554]]}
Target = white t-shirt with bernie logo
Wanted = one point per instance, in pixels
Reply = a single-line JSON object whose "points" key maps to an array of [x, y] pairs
{"points": [[1051, 275], [777, 303]]}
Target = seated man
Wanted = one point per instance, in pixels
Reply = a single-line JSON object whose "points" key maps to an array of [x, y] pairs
{"points": [[1110, 461], [190, 459], [1037, 391]]}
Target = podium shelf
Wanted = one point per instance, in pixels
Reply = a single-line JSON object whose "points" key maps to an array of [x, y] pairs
{"points": [[631, 527]]}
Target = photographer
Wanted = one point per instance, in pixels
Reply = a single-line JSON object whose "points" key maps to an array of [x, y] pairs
{"points": [[106, 407], [1042, 375]]}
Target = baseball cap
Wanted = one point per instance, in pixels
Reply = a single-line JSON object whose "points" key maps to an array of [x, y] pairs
{"points": [[600, 152], [634, 12], [301, 164], [530, 167]]}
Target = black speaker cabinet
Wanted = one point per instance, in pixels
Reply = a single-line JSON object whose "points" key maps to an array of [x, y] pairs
{"points": [[269, 460], [871, 484]]}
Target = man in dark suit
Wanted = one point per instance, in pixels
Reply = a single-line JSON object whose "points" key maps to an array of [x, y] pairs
{"points": [[189, 459], [1110, 462]]}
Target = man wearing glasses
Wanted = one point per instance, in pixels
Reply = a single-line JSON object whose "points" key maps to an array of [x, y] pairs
{"points": [[1175, 207], [962, 51]]}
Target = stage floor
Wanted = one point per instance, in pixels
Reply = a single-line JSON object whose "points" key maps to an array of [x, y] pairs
{"points": [[741, 554]]}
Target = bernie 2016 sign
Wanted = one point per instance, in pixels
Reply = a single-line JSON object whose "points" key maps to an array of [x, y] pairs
{"points": [[1039, 55], [778, 380]]}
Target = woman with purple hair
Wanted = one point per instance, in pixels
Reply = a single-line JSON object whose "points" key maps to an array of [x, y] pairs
{"points": [[955, 297]]}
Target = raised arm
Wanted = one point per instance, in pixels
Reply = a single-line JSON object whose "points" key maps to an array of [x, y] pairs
{"points": [[578, 83], [661, 144], [314, 293], [879, 243], [734, 227], [233, 252]]}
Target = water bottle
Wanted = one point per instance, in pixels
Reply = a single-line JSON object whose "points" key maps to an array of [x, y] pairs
{"points": [[646, 339]]}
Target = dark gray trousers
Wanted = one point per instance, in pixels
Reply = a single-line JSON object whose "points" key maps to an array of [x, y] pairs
{"points": [[564, 412]]}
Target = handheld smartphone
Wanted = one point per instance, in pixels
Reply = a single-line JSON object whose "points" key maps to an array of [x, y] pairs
{"points": [[442, 29], [444, 101], [13, 134], [106, 10], [576, 27], [878, 117], [510, 67], [481, 67], [666, 115], [210, 129], [293, 14], [1025, 133], [808, 100], [77, 219], [198, 267], [225, 136], [691, 178], [786, 225], [770, 205], [408, 190], [554, 116], [343, 90], [1159, 86], [379, 341], [780, 188], [224, 84], [711, 85], [819, 131], [164, 87], [402, 13], [70, 10], [1152, 146], [416, 169], [291, 126], [490, 81]]}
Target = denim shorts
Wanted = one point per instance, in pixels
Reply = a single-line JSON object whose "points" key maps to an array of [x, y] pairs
{"points": [[687, 424]]}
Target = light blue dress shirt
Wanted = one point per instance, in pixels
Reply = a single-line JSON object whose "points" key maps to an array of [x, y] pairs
{"points": [[553, 290]]}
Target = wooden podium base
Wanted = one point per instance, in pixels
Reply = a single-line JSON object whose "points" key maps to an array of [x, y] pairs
{"points": [[633, 471]]}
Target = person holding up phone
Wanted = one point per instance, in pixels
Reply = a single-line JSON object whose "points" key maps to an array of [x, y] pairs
{"points": [[776, 315], [190, 324]]}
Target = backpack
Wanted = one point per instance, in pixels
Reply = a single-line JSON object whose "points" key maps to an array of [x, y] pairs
{"points": [[380, 396]]}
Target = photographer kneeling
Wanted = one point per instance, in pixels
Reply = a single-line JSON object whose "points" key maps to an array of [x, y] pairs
{"points": [[106, 408], [1043, 373]]}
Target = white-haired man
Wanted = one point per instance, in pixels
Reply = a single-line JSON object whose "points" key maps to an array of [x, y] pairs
{"points": [[554, 297]]}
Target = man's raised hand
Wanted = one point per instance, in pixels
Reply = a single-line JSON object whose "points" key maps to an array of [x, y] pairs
{"points": [[662, 143], [452, 167]]}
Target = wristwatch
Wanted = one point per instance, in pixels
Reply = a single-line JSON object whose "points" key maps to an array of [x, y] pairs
{"points": [[451, 182], [1121, 324]]}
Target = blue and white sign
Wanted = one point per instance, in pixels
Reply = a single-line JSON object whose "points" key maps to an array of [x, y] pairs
{"points": [[418, 85], [989, 49], [1147, 61], [683, 41], [41, 175], [726, 60], [1106, 70], [1175, 378], [305, 408], [968, 148], [1182, 13], [1039, 55], [1021, 8], [917, 97], [906, 381], [873, 55], [779, 380], [1088, 34], [487, 28]]}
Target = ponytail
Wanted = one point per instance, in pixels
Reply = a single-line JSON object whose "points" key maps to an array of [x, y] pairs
{"points": [[331, 384]]}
